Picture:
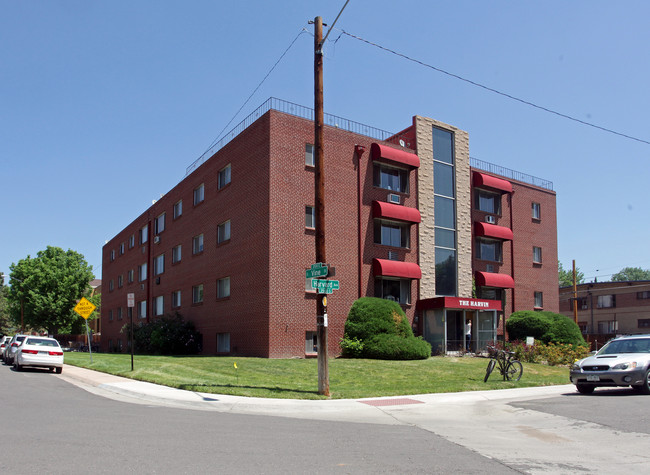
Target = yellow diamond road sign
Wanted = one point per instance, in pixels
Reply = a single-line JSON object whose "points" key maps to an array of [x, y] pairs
{"points": [[85, 307]]}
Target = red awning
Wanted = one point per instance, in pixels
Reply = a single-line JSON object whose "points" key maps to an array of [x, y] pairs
{"points": [[394, 154], [492, 231], [388, 268], [381, 209], [482, 180], [490, 279]]}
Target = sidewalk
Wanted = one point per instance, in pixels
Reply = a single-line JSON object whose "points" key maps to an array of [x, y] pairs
{"points": [[372, 410]]}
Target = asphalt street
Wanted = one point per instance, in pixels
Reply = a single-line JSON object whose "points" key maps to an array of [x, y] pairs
{"points": [[528, 430]]}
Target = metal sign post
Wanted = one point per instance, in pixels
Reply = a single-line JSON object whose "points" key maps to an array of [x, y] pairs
{"points": [[84, 308], [130, 303]]}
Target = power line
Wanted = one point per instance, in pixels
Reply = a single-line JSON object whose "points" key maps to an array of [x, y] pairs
{"points": [[255, 90], [487, 88]]}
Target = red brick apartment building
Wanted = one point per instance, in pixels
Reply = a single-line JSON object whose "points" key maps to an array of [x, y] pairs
{"points": [[406, 218]]}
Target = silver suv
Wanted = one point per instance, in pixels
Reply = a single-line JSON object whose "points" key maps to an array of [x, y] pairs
{"points": [[623, 361]]}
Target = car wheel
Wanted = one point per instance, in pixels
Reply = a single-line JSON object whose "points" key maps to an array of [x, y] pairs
{"points": [[585, 388], [59, 370], [645, 387]]}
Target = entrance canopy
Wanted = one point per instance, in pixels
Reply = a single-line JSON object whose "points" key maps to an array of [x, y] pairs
{"points": [[459, 303]]}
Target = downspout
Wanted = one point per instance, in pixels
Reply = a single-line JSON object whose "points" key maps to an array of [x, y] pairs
{"points": [[359, 151]]}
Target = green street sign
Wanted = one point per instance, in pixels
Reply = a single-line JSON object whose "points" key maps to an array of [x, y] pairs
{"points": [[324, 286], [318, 272]]}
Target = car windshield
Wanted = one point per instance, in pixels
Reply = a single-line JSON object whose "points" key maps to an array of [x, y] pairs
{"points": [[636, 345], [41, 342]]}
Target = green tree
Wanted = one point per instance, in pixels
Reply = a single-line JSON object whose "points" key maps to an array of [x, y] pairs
{"points": [[631, 273], [565, 277], [5, 325], [48, 287]]}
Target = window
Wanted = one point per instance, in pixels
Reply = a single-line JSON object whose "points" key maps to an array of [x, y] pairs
{"points": [[197, 293], [537, 255], [112, 255], [122, 247], [132, 241], [111, 286], [223, 232], [159, 224], [489, 249], [120, 281], [581, 303], [644, 322], [606, 301], [391, 178], [397, 290], [176, 299], [643, 295], [144, 234], [142, 272], [537, 213], [389, 233], [159, 265], [110, 315], [199, 194], [539, 300], [176, 254], [487, 202], [610, 326], [158, 305], [142, 309], [223, 288], [223, 342], [446, 272], [310, 217], [309, 155], [311, 342], [224, 177], [129, 276], [197, 244], [119, 313], [178, 209]]}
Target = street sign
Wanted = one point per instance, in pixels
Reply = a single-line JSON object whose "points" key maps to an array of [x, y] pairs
{"points": [[85, 307], [317, 270], [324, 286], [130, 300]]}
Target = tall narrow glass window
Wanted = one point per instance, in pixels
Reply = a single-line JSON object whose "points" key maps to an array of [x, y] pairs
{"points": [[444, 190]]}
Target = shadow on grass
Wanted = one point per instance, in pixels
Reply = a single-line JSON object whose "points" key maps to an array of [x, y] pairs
{"points": [[211, 388]]}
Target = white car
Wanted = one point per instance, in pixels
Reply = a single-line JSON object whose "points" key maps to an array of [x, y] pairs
{"points": [[39, 351], [4, 342], [12, 347]]}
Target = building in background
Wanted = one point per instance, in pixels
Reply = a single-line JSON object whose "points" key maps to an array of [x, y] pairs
{"points": [[607, 309], [407, 218]]}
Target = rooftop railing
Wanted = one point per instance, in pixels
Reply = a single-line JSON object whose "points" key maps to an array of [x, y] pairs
{"points": [[350, 126], [512, 174]]}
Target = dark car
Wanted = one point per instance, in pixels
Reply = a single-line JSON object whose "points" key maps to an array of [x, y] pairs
{"points": [[623, 361]]}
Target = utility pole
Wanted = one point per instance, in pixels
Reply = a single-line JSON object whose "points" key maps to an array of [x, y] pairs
{"points": [[575, 294], [319, 204]]}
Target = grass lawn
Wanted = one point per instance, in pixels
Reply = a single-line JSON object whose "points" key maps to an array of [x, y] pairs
{"points": [[298, 378]]}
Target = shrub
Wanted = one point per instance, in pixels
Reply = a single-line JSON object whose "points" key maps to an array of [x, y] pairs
{"points": [[395, 347], [169, 335], [546, 327], [552, 354], [378, 328]]}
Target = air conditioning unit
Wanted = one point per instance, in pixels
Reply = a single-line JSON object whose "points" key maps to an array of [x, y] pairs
{"points": [[490, 219], [393, 198], [393, 256], [489, 268], [156, 239]]}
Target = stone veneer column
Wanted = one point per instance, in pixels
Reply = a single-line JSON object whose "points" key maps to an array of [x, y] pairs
{"points": [[426, 245]]}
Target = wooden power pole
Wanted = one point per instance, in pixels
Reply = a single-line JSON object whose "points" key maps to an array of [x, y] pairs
{"points": [[319, 205]]}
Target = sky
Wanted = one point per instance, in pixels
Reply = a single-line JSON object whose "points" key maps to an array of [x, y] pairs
{"points": [[103, 105]]}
